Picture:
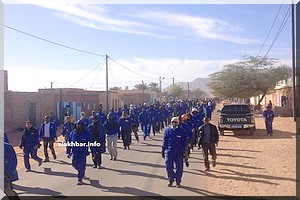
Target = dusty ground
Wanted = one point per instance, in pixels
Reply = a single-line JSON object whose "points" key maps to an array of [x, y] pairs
{"points": [[257, 165]]}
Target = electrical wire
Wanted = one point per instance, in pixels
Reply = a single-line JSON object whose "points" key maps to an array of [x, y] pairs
{"points": [[97, 74], [284, 21], [130, 69], [88, 73], [269, 31], [55, 43]]}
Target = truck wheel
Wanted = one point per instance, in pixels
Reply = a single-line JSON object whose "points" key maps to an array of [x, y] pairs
{"points": [[251, 131], [221, 132]]}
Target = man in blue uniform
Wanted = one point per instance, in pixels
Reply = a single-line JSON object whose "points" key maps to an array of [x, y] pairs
{"points": [[10, 168], [48, 135], [79, 142], [112, 130], [125, 125], [268, 114], [98, 135], [30, 144], [144, 120], [152, 115], [174, 146]]}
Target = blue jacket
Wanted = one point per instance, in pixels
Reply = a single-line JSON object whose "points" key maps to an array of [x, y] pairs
{"points": [[101, 117], [175, 140], [197, 120], [125, 123], [52, 130], [98, 135], [10, 161], [30, 138], [67, 129], [152, 114], [268, 115], [188, 127], [144, 118], [112, 128], [82, 139]]}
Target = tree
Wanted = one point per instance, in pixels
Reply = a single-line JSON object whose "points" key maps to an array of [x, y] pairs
{"points": [[154, 87], [176, 91], [199, 93], [141, 86], [115, 88], [251, 77]]}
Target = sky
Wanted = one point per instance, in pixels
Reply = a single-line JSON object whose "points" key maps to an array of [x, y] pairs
{"points": [[143, 42]]}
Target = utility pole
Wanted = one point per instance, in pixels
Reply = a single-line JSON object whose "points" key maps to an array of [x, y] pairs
{"points": [[293, 60], [143, 91], [188, 93], [51, 85], [106, 60]]}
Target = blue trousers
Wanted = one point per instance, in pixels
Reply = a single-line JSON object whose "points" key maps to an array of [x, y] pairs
{"points": [[79, 163], [153, 125], [269, 127], [174, 166], [33, 154], [145, 130]]}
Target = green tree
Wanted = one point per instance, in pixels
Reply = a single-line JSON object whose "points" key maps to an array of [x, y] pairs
{"points": [[199, 93], [115, 88], [141, 86], [154, 87], [176, 91], [251, 77]]}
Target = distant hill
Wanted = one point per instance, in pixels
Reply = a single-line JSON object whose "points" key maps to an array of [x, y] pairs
{"points": [[200, 83]]}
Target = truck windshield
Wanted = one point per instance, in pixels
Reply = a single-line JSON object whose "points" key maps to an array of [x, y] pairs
{"points": [[236, 109]]}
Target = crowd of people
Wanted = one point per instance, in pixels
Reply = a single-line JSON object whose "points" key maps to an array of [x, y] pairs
{"points": [[183, 122]]}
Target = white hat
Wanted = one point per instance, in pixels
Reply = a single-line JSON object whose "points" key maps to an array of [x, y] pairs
{"points": [[195, 110], [175, 119]]}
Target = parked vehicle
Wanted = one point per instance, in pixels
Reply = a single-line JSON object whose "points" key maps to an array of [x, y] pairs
{"points": [[236, 117]]}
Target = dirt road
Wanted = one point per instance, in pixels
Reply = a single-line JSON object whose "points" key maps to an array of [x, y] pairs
{"points": [[258, 165]]}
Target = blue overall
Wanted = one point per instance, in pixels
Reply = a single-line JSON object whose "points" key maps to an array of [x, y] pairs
{"points": [[79, 153], [269, 116], [144, 120], [29, 140], [174, 144]]}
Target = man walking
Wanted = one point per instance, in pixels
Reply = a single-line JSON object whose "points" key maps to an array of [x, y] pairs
{"points": [[80, 139], [173, 147], [208, 140], [112, 131], [48, 135], [30, 144], [125, 125], [268, 114]]}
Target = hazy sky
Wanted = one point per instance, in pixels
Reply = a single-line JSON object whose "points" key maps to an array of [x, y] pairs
{"points": [[144, 42]]}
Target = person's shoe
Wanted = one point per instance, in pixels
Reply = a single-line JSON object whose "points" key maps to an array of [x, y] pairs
{"points": [[28, 170], [99, 167], [214, 163], [187, 164], [124, 148], [80, 182], [111, 158], [178, 185], [207, 169], [128, 148], [114, 159], [46, 160], [40, 163], [94, 166], [170, 184]]}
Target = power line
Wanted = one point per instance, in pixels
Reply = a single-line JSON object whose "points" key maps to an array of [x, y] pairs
{"points": [[97, 74], [284, 21], [269, 30], [130, 69], [88, 73], [55, 43]]}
